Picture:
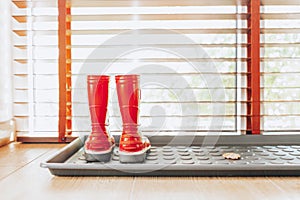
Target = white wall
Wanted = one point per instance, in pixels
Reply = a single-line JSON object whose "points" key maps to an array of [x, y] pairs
{"points": [[6, 100], [5, 62]]}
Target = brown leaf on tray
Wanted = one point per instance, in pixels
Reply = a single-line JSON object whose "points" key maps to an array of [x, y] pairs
{"points": [[231, 156]]}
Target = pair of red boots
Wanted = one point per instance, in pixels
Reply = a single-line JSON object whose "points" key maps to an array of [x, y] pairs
{"points": [[99, 145]]}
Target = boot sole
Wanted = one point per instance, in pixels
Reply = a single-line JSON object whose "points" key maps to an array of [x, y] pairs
{"points": [[98, 157], [133, 157]]}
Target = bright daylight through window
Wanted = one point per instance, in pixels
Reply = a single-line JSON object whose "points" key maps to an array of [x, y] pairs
{"points": [[172, 29]]}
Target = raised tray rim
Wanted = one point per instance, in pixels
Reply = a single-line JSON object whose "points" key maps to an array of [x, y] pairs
{"points": [[57, 166]]}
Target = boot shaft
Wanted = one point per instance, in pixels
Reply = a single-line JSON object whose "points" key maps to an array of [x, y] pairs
{"points": [[128, 90], [99, 139], [97, 87]]}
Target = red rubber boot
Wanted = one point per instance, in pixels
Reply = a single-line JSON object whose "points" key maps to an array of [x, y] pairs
{"points": [[133, 146], [99, 145]]}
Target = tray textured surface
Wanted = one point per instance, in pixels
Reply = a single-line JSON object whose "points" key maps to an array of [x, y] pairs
{"points": [[194, 155]]}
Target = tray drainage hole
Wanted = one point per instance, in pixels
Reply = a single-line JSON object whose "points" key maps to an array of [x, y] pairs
{"points": [[287, 158], [215, 154], [295, 154], [152, 154], [270, 158], [183, 150], [184, 153], [167, 150], [296, 146], [186, 157], [197, 150], [151, 158], [170, 161], [168, 157], [187, 162], [151, 162], [200, 154], [202, 158]]}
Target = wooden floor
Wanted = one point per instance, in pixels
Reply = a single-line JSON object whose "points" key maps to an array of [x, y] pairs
{"points": [[22, 178]]}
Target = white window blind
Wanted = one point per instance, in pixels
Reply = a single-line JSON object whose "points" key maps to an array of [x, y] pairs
{"points": [[218, 26], [281, 67], [35, 63]]}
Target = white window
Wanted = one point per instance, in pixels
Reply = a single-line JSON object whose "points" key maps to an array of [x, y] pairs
{"points": [[191, 56]]}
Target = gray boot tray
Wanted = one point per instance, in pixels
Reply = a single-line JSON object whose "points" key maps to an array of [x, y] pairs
{"points": [[260, 156]]}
